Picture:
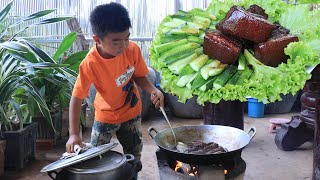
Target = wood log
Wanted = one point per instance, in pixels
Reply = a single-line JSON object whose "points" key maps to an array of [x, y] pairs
{"points": [[81, 42]]}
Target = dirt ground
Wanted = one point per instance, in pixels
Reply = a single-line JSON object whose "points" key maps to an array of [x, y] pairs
{"points": [[264, 160]]}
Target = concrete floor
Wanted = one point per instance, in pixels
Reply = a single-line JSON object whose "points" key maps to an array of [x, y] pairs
{"points": [[264, 160]]}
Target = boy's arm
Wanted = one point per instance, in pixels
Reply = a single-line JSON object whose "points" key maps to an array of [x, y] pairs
{"points": [[74, 123], [156, 95]]}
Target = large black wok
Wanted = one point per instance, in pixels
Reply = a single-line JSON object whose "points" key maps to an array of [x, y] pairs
{"points": [[233, 139]]}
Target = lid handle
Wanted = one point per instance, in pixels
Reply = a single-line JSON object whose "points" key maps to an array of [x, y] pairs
{"points": [[129, 157]]}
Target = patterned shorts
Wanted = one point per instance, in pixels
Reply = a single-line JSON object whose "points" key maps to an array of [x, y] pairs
{"points": [[128, 133]]}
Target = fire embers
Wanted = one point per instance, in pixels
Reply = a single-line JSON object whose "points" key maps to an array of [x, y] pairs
{"points": [[248, 29], [201, 172], [186, 169]]}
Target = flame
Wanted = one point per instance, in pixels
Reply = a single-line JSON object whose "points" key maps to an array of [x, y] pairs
{"points": [[191, 172], [225, 171], [178, 165]]}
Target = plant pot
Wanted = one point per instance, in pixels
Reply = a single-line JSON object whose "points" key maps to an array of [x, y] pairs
{"points": [[2, 156], [20, 146], [46, 137], [191, 109]]}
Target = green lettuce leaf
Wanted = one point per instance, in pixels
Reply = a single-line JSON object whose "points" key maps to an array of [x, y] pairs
{"points": [[297, 18], [267, 84]]}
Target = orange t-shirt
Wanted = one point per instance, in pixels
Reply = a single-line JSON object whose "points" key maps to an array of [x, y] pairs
{"points": [[117, 99]]}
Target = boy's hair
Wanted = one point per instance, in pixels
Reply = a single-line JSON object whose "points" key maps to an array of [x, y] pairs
{"points": [[112, 17]]}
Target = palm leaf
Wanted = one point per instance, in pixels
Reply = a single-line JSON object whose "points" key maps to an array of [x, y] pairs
{"points": [[11, 69], [7, 89], [14, 46], [44, 109], [18, 111], [24, 57], [38, 14], [43, 55], [32, 104], [57, 82], [4, 32], [52, 20], [69, 72], [32, 16], [5, 119], [65, 45], [75, 59], [46, 65], [5, 11]]}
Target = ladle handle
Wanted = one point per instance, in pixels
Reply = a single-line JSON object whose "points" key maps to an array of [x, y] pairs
{"points": [[166, 117]]}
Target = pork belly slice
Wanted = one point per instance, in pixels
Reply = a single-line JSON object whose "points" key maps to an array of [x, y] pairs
{"points": [[279, 30], [246, 25], [221, 47], [271, 53], [257, 10]]}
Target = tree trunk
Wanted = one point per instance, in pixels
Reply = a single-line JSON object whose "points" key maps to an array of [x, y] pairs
{"points": [[81, 42]]}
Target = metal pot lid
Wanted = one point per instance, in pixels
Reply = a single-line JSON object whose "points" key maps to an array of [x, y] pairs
{"points": [[108, 161], [88, 154]]}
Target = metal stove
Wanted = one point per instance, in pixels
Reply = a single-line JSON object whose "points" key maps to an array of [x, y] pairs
{"points": [[232, 170]]}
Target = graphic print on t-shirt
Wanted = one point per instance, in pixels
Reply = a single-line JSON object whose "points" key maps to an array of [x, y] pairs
{"points": [[131, 96], [125, 76]]}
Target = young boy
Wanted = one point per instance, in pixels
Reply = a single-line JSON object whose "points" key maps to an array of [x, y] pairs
{"points": [[115, 66]]}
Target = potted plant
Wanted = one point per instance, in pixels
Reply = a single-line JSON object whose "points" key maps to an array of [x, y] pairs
{"points": [[20, 61], [2, 150], [55, 87]]}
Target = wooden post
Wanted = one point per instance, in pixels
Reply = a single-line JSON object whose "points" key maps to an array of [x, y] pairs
{"points": [[316, 146], [81, 42]]}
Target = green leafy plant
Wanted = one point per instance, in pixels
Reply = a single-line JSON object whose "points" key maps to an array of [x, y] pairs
{"points": [[55, 86], [20, 63]]}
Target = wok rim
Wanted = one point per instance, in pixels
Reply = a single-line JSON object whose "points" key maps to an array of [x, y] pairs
{"points": [[219, 126]]}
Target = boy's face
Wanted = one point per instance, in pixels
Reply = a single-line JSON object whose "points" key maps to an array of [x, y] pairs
{"points": [[114, 43]]}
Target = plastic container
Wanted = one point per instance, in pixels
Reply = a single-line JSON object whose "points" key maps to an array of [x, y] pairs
{"points": [[255, 108]]}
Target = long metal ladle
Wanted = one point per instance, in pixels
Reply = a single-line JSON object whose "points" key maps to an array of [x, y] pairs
{"points": [[174, 135]]}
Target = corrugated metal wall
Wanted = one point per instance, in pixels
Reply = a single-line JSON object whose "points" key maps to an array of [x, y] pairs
{"points": [[146, 15]]}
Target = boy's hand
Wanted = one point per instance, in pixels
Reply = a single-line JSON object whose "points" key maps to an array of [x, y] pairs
{"points": [[157, 98], [73, 140]]}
